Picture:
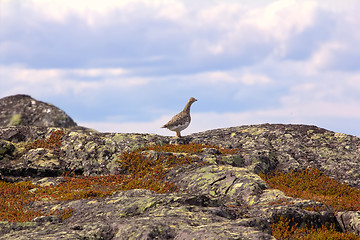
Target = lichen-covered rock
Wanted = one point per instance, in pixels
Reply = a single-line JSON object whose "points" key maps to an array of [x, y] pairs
{"points": [[6, 150], [349, 221], [239, 187], [231, 184], [222, 198], [287, 146], [22, 110], [82, 151], [142, 214]]}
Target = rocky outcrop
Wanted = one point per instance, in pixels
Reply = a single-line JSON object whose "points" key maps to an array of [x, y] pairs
{"points": [[263, 148], [22, 110], [292, 147], [222, 199]]}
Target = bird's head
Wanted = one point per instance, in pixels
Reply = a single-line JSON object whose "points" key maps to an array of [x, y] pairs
{"points": [[192, 100]]}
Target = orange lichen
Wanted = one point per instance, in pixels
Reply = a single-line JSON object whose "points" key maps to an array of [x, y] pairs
{"points": [[313, 184]]}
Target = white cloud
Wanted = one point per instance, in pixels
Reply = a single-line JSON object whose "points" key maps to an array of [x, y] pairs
{"points": [[97, 72], [353, 81], [239, 27], [324, 56], [253, 79], [95, 13], [284, 17], [60, 10], [42, 82], [289, 60], [186, 35], [228, 77], [171, 10]]}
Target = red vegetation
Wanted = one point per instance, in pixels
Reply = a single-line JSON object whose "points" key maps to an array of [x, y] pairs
{"points": [[52, 142]]}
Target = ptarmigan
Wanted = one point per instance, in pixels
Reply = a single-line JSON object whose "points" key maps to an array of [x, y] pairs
{"points": [[181, 120]]}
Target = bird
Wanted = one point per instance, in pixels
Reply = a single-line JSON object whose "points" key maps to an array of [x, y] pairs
{"points": [[181, 120]]}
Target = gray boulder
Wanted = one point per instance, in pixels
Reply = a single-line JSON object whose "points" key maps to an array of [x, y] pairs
{"points": [[23, 110], [349, 221]]}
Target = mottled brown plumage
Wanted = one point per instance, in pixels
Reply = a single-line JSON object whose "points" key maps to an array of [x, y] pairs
{"points": [[181, 120]]}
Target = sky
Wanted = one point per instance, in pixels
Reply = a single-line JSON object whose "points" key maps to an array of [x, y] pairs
{"points": [[130, 65]]}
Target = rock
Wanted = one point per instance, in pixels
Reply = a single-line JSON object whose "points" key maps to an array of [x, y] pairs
{"points": [[288, 146], [349, 221], [6, 150], [142, 214], [232, 185], [234, 160], [223, 198], [22, 110]]}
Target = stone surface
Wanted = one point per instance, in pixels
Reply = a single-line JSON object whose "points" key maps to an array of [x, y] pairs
{"points": [[349, 221], [22, 110], [222, 199], [288, 146], [6, 150]]}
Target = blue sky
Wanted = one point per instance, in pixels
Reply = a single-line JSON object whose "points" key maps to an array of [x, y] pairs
{"points": [[130, 65]]}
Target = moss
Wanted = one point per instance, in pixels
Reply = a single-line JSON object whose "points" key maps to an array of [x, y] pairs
{"points": [[234, 160], [6, 148], [119, 137], [15, 120]]}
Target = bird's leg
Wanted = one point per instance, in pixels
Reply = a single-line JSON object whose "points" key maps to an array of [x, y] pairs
{"points": [[178, 134]]}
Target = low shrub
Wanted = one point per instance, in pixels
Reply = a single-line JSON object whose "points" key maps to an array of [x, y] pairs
{"points": [[53, 142], [313, 184], [287, 229], [188, 148]]}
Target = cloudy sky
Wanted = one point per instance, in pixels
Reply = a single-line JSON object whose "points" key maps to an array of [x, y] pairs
{"points": [[130, 65]]}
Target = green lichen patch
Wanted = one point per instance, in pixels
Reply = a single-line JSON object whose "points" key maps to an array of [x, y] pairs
{"points": [[7, 149], [15, 120]]}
